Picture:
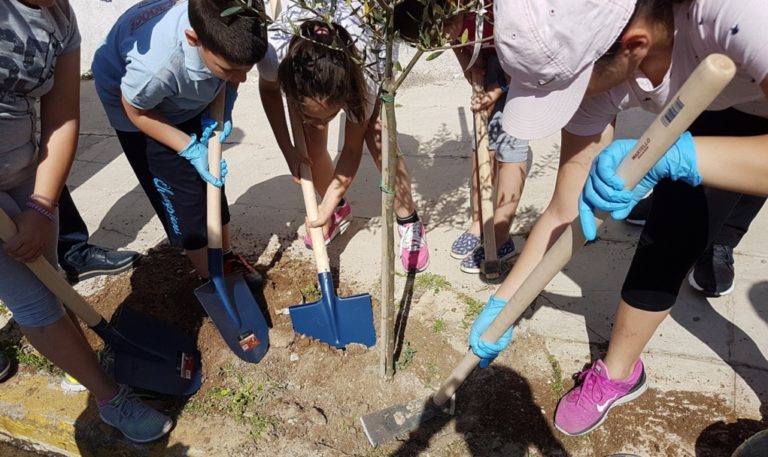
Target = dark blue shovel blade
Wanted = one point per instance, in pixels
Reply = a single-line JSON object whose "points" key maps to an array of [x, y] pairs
{"points": [[250, 339], [333, 320], [171, 363]]}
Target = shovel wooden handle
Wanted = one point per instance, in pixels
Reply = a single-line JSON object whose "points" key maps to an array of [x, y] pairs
{"points": [[701, 88], [48, 275], [484, 165], [213, 193], [308, 192]]}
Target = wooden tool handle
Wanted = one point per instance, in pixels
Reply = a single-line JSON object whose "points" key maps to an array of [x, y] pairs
{"points": [[701, 88], [213, 193], [485, 184], [308, 191], [48, 275]]}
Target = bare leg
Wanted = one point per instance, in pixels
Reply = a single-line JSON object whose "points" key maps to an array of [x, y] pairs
{"points": [[575, 162], [322, 165], [199, 257], [63, 344], [632, 330], [404, 205], [510, 180]]}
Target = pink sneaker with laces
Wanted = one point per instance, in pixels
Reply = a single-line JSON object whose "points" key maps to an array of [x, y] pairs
{"points": [[414, 251], [586, 406], [340, 221]]}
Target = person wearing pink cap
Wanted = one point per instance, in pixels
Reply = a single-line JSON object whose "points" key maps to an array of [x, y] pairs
{"points": [[573, 65]]}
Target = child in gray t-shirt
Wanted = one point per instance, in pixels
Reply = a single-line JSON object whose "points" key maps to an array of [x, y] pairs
{"points": [[40, 60]]}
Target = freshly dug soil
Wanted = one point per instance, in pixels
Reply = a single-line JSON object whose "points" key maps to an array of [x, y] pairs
{"points": [[305, 398]]}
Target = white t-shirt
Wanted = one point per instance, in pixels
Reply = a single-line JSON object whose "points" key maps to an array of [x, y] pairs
{"points": [[347, 15], [738, 29]]}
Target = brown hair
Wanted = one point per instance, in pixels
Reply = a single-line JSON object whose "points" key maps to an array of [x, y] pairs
{"points": [[240, 39], [322, 63], [657, 10]]}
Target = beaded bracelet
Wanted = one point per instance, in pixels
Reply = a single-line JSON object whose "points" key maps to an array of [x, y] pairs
{"points": [[44, 199], [40, 210]]}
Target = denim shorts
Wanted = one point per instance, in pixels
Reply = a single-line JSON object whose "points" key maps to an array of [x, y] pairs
{"points": [[29, 300], [508, 148]]}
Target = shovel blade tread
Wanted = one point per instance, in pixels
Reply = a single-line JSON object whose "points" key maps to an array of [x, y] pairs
{"points": [[353, 321]]}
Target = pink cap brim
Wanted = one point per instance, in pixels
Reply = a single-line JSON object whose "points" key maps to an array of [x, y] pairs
{"points": [[533, 114]]}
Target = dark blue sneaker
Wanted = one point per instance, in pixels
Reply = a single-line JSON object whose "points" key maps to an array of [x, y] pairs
{"points": [[464, 244], [91, 261], [713, 273], [471, 263], [137, 421]]}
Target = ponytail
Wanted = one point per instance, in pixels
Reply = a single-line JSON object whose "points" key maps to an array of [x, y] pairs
{"points": [[323, 64]]}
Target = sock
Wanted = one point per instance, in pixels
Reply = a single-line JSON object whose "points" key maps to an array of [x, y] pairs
{"points": [[410, 219], [342, 202]]}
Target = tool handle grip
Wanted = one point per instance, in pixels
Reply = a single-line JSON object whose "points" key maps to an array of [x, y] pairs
{"points": [[308, 192], [213, 193], [48, 275], [485, 182], [700, 89]]}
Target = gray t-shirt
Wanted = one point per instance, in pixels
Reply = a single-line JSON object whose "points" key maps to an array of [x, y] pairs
{"points": [[702, 27], [31, 40]]}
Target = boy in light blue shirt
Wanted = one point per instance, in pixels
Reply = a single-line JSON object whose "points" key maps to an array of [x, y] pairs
{"points": [[161, 65]]}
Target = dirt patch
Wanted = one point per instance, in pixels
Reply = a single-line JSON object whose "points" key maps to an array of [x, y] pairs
{"points": [[305, 398]]}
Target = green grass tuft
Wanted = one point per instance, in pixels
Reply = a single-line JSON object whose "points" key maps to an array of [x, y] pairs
{"points": [[310, 293], [406, 356], [438, 326], [472, 309], [557, 376], [431, 281]]}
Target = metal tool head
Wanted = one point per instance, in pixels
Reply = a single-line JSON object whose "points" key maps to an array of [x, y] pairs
{"points": [[152, 354], [247, 335], [333, 320], [387, 424]]}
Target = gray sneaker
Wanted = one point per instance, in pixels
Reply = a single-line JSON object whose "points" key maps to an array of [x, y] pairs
{"points": [[137, 421]]}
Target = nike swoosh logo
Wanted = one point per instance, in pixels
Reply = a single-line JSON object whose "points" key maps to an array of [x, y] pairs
{"points": [[602, 407]]}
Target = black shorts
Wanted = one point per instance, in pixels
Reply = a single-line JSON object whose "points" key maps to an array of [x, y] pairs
{"points": [[685, 220], [175, 189]]}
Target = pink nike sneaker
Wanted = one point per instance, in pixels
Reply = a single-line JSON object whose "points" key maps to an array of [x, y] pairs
{"points": [[586, 406], [340, 221], [414, 251]]}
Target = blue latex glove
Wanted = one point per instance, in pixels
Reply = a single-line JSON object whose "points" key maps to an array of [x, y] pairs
{"points": [[230, 95], [604, 190], [197, 154], [483, 349]]}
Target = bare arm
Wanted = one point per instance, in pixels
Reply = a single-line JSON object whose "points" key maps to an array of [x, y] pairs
{"points": [[155, 126], [272, 101], [59, 128], [346, 168], [743, 168]]}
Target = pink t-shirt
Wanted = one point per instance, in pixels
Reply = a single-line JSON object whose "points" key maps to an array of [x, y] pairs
{"points": [[738, 29]]}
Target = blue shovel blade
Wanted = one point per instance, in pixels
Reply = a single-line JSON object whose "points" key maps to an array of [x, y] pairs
{"points": [[252, 323], [171, 362], [333, 320]]}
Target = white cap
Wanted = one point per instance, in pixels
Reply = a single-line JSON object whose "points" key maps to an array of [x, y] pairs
{"points": [[548, 50]]}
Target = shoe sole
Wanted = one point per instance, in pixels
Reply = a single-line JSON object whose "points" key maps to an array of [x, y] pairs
{"points": [[625, 399], [477, 270], [458, 256], [74, 388], [692, 282], [637, 222], [94, 273], [4, 373], [148, 440]]}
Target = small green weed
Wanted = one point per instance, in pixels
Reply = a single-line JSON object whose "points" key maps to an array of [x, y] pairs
{"points": [[30, 357], [431, 281], [310, 293], [3, 309], [472, 309], [406, 356], [557, 376], [438, 326]]}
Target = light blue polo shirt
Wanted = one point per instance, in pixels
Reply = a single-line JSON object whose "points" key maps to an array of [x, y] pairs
{"points": [[146, 59]]}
